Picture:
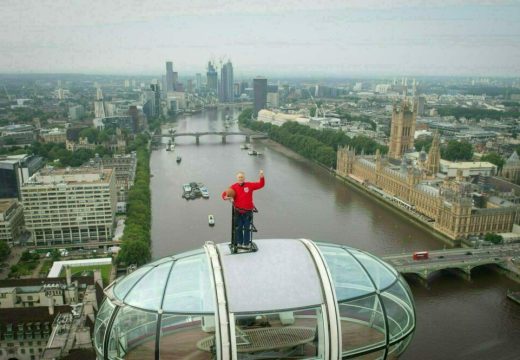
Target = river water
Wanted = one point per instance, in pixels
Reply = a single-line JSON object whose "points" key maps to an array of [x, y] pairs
{"points": [[456, 318]]}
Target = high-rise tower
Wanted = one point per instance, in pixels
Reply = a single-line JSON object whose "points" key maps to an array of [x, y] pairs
{"points": [[170, 81], [260, 94], [402, 129], [226, 83], [212, 78]]}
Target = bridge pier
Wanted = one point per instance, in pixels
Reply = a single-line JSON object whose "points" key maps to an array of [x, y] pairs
{"points": [[223, 139], [463, 272], [197, 140], [421, 278]]}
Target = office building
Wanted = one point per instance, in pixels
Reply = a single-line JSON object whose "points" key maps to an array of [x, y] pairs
{"points": [[170, 83], [273, 100], [152, 101], [11, 220], [260, 94], [226, 83], [421, 101], [116, 122], [17, 134], [14, 170], [138, 118], [212, 79], [402, 129], [55, 135], [198, 81], [124, 166], [243, 86], [76, 112], [70, 205]]}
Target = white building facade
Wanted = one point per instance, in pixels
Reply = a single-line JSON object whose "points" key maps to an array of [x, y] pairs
{"points": [[70, 206]]}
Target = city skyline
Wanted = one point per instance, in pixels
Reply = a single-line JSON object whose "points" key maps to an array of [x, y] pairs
{"points": [[335, 38]]}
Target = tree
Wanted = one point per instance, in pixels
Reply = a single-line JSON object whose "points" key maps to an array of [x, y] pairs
{"points": [[494, 158], [494, 238], [457, 151], [90, 133], [425, 142], [134, 252], [55, 255], [5, 250], [26, 256]]}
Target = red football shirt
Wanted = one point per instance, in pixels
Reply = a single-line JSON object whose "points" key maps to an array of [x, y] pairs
{"points": [[244, 193]]}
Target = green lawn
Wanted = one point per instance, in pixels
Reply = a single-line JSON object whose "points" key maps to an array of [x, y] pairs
{"points": [[105, 271], [47, 264]]}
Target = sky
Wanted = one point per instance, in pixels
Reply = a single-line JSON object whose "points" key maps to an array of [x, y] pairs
{"points": [[269, 37]]}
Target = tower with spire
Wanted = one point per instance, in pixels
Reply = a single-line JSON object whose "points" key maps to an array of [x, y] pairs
{"points": [[402, 129], [433, 164]]}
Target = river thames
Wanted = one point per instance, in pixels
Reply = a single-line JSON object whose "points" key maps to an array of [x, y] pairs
{"points": [[456, 318]]}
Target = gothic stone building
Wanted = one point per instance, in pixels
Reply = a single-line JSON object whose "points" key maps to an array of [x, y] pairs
{"points": [[446, 202]]}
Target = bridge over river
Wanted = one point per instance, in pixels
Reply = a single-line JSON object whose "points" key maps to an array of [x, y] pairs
{"points": [[223, 134], [463, 260]]}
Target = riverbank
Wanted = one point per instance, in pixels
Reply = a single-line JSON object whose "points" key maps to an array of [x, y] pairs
{"points": [[136, 239]]}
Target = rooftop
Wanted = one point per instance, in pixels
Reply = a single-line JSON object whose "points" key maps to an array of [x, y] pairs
{"points": [[52, 176], [5, 204]]}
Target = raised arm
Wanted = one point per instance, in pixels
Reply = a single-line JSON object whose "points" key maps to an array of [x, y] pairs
{"points": [[260, 184]]}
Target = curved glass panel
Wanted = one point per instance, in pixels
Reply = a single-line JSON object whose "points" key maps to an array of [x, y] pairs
{"points": [[148, 295], [362, 325], [397, 349], [162, 261], [399, 311], [189, 288], [103, 317], [125, 284], [297, 334], [380, 273], [133, 335], [350, 280], [185, 336]]}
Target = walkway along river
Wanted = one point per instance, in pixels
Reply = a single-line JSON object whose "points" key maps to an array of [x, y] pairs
{"points": [[457, 319]]}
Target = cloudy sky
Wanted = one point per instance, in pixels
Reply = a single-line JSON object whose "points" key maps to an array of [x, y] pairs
{"points": [[270, 37]]}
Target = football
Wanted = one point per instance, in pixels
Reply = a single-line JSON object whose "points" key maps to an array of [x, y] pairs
{"points": [[230, 193]]}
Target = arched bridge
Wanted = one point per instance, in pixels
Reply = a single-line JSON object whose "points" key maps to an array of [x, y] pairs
{"points": [[463, 260], [223, 134]]}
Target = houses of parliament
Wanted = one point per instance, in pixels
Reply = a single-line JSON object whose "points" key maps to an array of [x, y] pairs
{"points": [[458, 199]]}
